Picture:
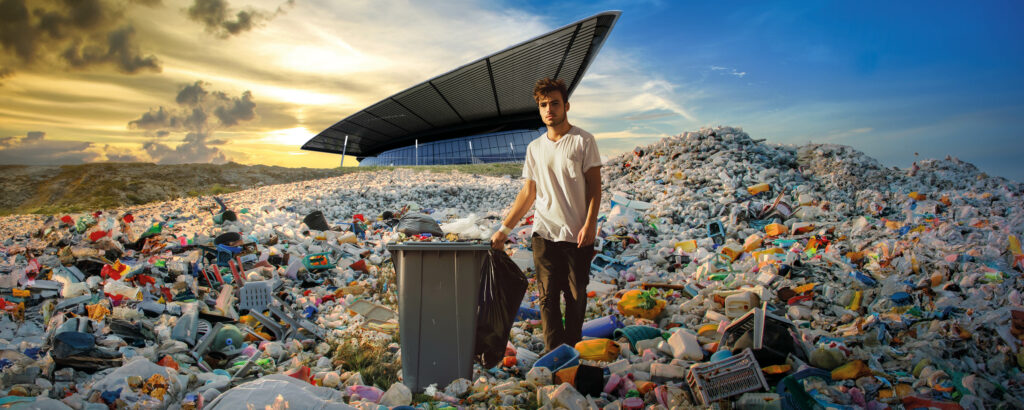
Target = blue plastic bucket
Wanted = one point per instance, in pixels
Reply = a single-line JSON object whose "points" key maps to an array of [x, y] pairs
{"points": [[602, 327], [563, 356]]}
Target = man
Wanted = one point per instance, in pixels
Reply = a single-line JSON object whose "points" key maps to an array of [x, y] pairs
{"points": [[563, 179]]}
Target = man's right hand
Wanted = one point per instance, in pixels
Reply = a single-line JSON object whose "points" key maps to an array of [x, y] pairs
{"points": [[498, 240]]}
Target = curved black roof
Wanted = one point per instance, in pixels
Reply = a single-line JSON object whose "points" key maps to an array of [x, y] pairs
{"points": [[491, 94]]}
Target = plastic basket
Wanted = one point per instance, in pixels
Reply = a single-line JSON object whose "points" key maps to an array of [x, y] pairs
{"points": [[318, 261], [736, 375], [255, 296]]}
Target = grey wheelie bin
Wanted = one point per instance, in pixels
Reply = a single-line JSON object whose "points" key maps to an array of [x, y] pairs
{"points": [[438, 287]]}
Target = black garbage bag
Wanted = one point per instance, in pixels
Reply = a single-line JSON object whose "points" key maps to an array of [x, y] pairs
{"points": [[79, 350], [416, 224], [502, 287]]}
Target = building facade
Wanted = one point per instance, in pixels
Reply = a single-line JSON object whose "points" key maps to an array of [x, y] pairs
{"points": [[504, 146], [477, 113]]}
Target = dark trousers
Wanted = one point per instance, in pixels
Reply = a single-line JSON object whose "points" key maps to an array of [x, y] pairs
{"points": [[563, 271]]}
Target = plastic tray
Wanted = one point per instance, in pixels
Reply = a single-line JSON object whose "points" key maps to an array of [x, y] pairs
{"points": [[736, 375], [373, 313], [318, 261]]}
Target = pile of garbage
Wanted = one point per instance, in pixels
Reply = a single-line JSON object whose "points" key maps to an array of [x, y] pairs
{"points": [[729, 271]]}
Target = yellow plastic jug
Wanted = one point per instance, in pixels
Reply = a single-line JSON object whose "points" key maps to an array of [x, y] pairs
{"points": [[602, 350], [776, 229], [752, 242], [732, 250], [757, 189], [1014, 245], [686, 246]]}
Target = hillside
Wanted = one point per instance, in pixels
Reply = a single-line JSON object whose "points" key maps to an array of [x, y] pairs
{"points": [[75, 188]]}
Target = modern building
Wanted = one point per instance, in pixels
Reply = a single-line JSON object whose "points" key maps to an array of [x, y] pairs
{"points": [[480, 112]]}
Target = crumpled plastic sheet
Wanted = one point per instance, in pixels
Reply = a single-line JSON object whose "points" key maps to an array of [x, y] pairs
{"points": [[279, 391]]}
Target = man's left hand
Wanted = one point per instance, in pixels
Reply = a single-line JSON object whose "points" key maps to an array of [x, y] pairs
{"points": [[586, 236]]}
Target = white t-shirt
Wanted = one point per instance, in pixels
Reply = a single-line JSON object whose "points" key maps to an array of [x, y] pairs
{"points": [[557, 168]]}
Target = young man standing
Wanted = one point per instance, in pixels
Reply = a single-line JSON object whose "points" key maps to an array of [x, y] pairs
{"points": [[563, 179]]}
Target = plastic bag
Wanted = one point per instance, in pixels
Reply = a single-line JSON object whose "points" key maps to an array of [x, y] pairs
{"points": [[502, 287], [415, 224], [641, 304]]}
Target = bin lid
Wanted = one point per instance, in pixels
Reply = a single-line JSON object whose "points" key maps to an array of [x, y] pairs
{"points": [[438, 246]]}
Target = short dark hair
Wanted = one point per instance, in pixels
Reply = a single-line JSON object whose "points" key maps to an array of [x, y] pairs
{"points": [[547, 86]]}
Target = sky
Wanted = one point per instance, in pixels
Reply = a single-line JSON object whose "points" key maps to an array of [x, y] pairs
{"points": [[249, 81]]}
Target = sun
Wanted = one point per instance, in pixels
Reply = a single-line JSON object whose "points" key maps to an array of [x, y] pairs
{"points": [[290, 136]]}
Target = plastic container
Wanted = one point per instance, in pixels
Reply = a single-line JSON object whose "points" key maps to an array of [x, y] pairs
{"points": [[686, 246], [685, 346], [759, 188], [600, 289], [668, 371], [602, 350], [739, 304], [528, 313], [633, 403], [526, 357], [438, 287], [602, 327], [318, 261], [561, 357], [316, 221], [776, 229], [736, 375]]}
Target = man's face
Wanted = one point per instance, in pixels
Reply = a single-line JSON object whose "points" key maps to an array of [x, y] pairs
{"points": [[552, 109]]}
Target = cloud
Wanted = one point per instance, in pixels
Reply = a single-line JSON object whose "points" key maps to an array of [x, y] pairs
{"points": [[195, 149], [116, 154], [80, 34], [218, 19], [238, 109], [200, 112], [616, 88], [649, 116], [35, 149], [730, 71], [120, 52], [614, 143], [154, 120]]}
